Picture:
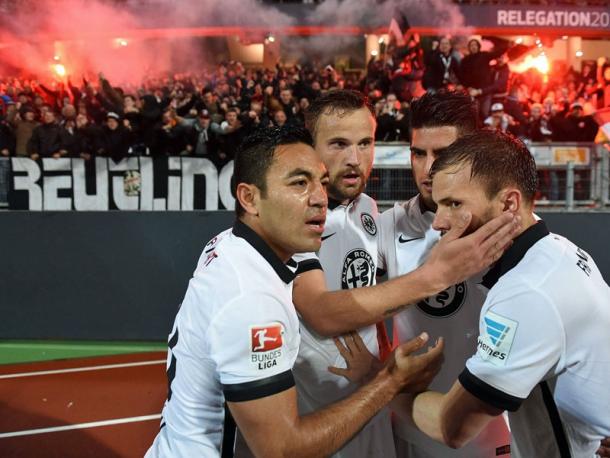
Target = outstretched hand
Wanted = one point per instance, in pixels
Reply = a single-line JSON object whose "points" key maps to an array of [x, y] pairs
{"points": [[361, 363], [414, 372]]}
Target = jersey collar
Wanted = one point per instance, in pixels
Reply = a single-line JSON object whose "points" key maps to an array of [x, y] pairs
{"points": [[332, 203], [515, 253], [285, 271]]}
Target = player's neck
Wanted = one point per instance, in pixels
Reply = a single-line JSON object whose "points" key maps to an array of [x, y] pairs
{"points": [[426, 206], [527, 220], [254, 224]]}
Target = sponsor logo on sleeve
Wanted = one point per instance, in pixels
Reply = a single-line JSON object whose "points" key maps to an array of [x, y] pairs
{"points": [[496, 340], [266, 345]]}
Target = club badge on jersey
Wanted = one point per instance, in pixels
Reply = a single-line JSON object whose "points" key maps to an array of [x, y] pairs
{"points": [[368, 222], [445, 303], [266, 345]]}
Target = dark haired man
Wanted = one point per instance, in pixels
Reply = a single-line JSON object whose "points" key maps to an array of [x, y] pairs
{"points": [[329, 293], [542, 347], [405, 240], [236, 336], [475, 73]]}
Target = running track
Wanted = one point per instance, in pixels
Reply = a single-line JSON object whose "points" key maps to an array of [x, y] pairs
{"points": [[98, 407]]}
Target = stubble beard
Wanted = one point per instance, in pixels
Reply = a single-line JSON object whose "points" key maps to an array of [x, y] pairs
{"points": [[341, 193]]}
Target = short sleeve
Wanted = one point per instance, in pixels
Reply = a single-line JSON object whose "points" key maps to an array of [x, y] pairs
{"points": [[307, 262], [253, 346], [521, 340]]}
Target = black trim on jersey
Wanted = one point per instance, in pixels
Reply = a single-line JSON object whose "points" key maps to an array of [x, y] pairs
{"points": [[380, 272], [560, 435], [487, 393], [309, 264], [257, 389], [242, 230], [515, 253], [227, 448]]}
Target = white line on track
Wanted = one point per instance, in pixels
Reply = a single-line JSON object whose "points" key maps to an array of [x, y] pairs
{"points": [[93, 424], [83, 369]]}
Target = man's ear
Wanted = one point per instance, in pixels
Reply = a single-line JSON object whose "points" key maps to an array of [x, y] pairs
{"points": [[511, 199], [248, 196]]}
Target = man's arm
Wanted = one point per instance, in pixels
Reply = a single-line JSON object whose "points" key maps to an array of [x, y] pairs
{"points": [[273, 428], [454, 418], [451, 261]]}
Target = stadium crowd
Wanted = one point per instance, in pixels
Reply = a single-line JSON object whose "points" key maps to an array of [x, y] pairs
{"points": [[207, 114]]}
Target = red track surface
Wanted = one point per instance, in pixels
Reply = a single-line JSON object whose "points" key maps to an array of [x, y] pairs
{"points": [[52, 400]]}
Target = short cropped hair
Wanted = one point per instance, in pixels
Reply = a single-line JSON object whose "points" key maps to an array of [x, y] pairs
{"points": [[497, 159], [445, 108], [256, 155], [339, 101]]}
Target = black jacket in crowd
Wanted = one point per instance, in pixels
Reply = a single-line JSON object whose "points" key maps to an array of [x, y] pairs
{"points": [[45, 140]]}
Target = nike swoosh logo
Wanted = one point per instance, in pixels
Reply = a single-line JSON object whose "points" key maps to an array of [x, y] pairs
{"points": [[327, 236], [403, 240]]}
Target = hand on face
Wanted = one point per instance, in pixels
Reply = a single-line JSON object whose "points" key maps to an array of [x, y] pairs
{"points": [[456, 258]]}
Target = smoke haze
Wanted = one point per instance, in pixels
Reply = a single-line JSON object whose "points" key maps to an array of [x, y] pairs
{"points": [[127, 42]]}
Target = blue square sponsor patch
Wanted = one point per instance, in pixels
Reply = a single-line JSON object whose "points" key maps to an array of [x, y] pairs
{"points": [[496, 340]]}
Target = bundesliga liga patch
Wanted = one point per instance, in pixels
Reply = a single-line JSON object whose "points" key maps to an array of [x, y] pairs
{"points": [[495, 342], [266, 345]]}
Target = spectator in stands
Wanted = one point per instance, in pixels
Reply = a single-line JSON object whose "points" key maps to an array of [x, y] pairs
{"points": [[201, 139], [498, 88], [576, 127], [46, 138], [279, 118], [85, 137], [211, 105], [7, 138], [302, 107], [230, 135], [602, 89], [500, 120], [390, 120], [476, 74], [170, 135], [23, 123], [537, 128], [442, 66], [288, 105], [114, 139]]}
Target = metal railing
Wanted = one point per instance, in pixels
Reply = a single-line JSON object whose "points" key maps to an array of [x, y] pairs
{"points": [[570, 175]]}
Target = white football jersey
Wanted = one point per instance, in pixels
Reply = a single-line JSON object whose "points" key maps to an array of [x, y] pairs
{"points": [[543, 346], [348, 257], [235, 338], [406, 237]]}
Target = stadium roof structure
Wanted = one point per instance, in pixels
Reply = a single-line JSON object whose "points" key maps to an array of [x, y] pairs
{"points": [[350, 18]]}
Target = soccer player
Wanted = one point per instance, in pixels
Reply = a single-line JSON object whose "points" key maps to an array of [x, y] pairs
{"points": [[542, 352], [236, 337], [343, 128], [406, 237]]}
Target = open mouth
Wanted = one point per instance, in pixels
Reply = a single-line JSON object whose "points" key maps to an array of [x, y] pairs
{"points": [[351, 177], [316, 224]]}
